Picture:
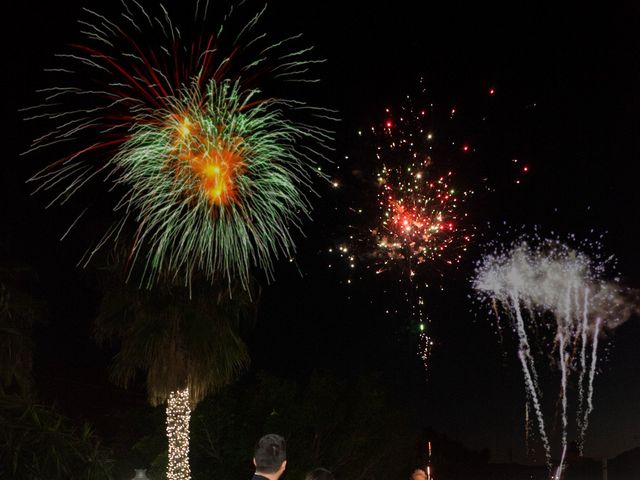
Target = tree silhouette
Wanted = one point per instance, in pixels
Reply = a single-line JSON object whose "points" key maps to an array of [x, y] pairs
{"points": [[185, 339]]}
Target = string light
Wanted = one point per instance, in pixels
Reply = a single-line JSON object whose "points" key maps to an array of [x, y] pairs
{"points": [[178, 415]]}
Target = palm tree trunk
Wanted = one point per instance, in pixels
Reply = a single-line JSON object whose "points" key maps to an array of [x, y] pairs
{"points": [[178, 414]]}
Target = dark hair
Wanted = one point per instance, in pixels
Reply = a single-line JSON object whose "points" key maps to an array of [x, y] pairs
{"points": [[270, 452], [319, 474]]}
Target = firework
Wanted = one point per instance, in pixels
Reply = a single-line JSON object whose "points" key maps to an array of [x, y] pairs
{"points": [[560, 294], [213, 171], [412, 222], [419, 216]]}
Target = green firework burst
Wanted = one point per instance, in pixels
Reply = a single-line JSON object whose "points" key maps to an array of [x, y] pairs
{"points": [[212, 171], [194, 218]]}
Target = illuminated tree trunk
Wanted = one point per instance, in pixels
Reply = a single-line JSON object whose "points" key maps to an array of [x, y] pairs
{"points": [[178, 414]]}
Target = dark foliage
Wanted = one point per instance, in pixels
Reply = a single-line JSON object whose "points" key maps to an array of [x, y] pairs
{"points": [[39, 443]]}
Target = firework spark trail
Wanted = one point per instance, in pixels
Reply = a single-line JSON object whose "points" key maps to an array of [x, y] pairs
{"points": [[553, 278], [583, 368], [564, 325], [425, 341], [214, 173], [526, 426], [592, 373], [563, 395], [528, 369]]}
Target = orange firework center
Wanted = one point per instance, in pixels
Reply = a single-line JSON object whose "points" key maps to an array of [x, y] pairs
{"points": [[216, 162]]}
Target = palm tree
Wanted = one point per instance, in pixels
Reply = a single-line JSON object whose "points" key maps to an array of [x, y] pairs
{"points": [[187, 342]]}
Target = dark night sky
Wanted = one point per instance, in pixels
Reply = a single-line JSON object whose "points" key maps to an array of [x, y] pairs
{"points": [[579, 66]]}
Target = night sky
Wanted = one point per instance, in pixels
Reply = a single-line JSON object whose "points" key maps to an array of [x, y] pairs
{"points": [[566, 103]]}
